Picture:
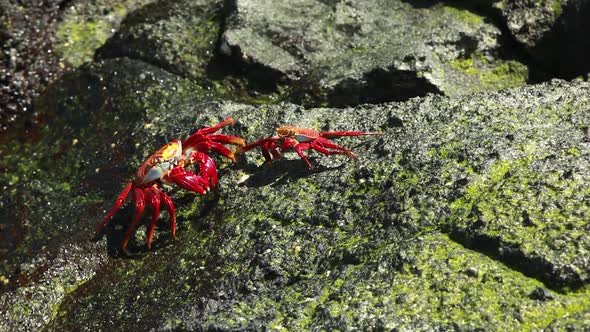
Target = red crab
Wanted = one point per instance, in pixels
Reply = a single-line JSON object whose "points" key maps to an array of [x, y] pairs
{"points": [[302, 139], [167, 165]]}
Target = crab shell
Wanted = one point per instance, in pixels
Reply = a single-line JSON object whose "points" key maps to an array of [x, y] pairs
{"points": [[160, 163]]}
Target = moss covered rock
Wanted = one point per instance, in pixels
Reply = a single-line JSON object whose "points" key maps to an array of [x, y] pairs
{"points": [[352, 52], [469, 212], [553, 32], [427, 230]]}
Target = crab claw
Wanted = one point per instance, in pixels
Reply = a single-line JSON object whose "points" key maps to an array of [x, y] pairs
{"points": [[207, 167], [189, 180]]}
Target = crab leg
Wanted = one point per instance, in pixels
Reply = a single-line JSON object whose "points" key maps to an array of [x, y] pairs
{"points": [[227, 139], [299, 148], [332, 134], [261, 142], [267, 156], [272, 147], [115, 207], [323, 150], [200, 134], [226, 122], [154, 200], [170, 206], [218, 147], [266, 145], [321, 145], [139, 206], [215, 146]]}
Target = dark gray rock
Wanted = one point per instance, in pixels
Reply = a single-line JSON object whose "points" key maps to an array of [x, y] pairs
{"points": [[42, 39], [470, 212], [554, 33], [27, 55], [53, 187], [178, 36], [384, 242], [363, 52]]}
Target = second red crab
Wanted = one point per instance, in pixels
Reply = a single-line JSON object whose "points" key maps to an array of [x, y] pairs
{"points": [[302, 139]]}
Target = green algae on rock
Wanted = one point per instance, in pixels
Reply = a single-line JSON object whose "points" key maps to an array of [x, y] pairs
{"points": [[178, 36], [352, 53], [56, 185], [352, 245], [86, 26], [553, 32]]}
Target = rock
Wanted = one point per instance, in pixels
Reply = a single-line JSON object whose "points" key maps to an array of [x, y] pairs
{"points": [[541, 294], [54, 186], [383, 242], [27, 59], [178, 36], [552, 32], [469, 212], [576, 322], [354, 52], [86, 26], [40, 40]]}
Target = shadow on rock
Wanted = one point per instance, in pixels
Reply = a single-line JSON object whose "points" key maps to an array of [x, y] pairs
{"points": [[282, 172]]}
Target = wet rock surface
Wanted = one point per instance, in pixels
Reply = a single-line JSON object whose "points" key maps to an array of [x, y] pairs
{"points": [[354, 52], [42, 39], [179, 36], [26, 59], [348, 245], [552, 32], [469, 212]]}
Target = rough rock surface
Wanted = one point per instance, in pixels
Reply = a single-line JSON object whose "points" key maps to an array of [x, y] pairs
{"points": [[26, 59], [178, 36], [470, 212], [358, 52], [41, 39], [554, 32], [467, 213], [277, 49]]}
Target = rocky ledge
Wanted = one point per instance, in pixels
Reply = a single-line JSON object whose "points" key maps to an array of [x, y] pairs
{"points": [[469, 212]]}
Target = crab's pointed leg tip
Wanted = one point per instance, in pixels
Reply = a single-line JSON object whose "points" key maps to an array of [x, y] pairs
{"points": [[229, 121], [124, 246]]}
